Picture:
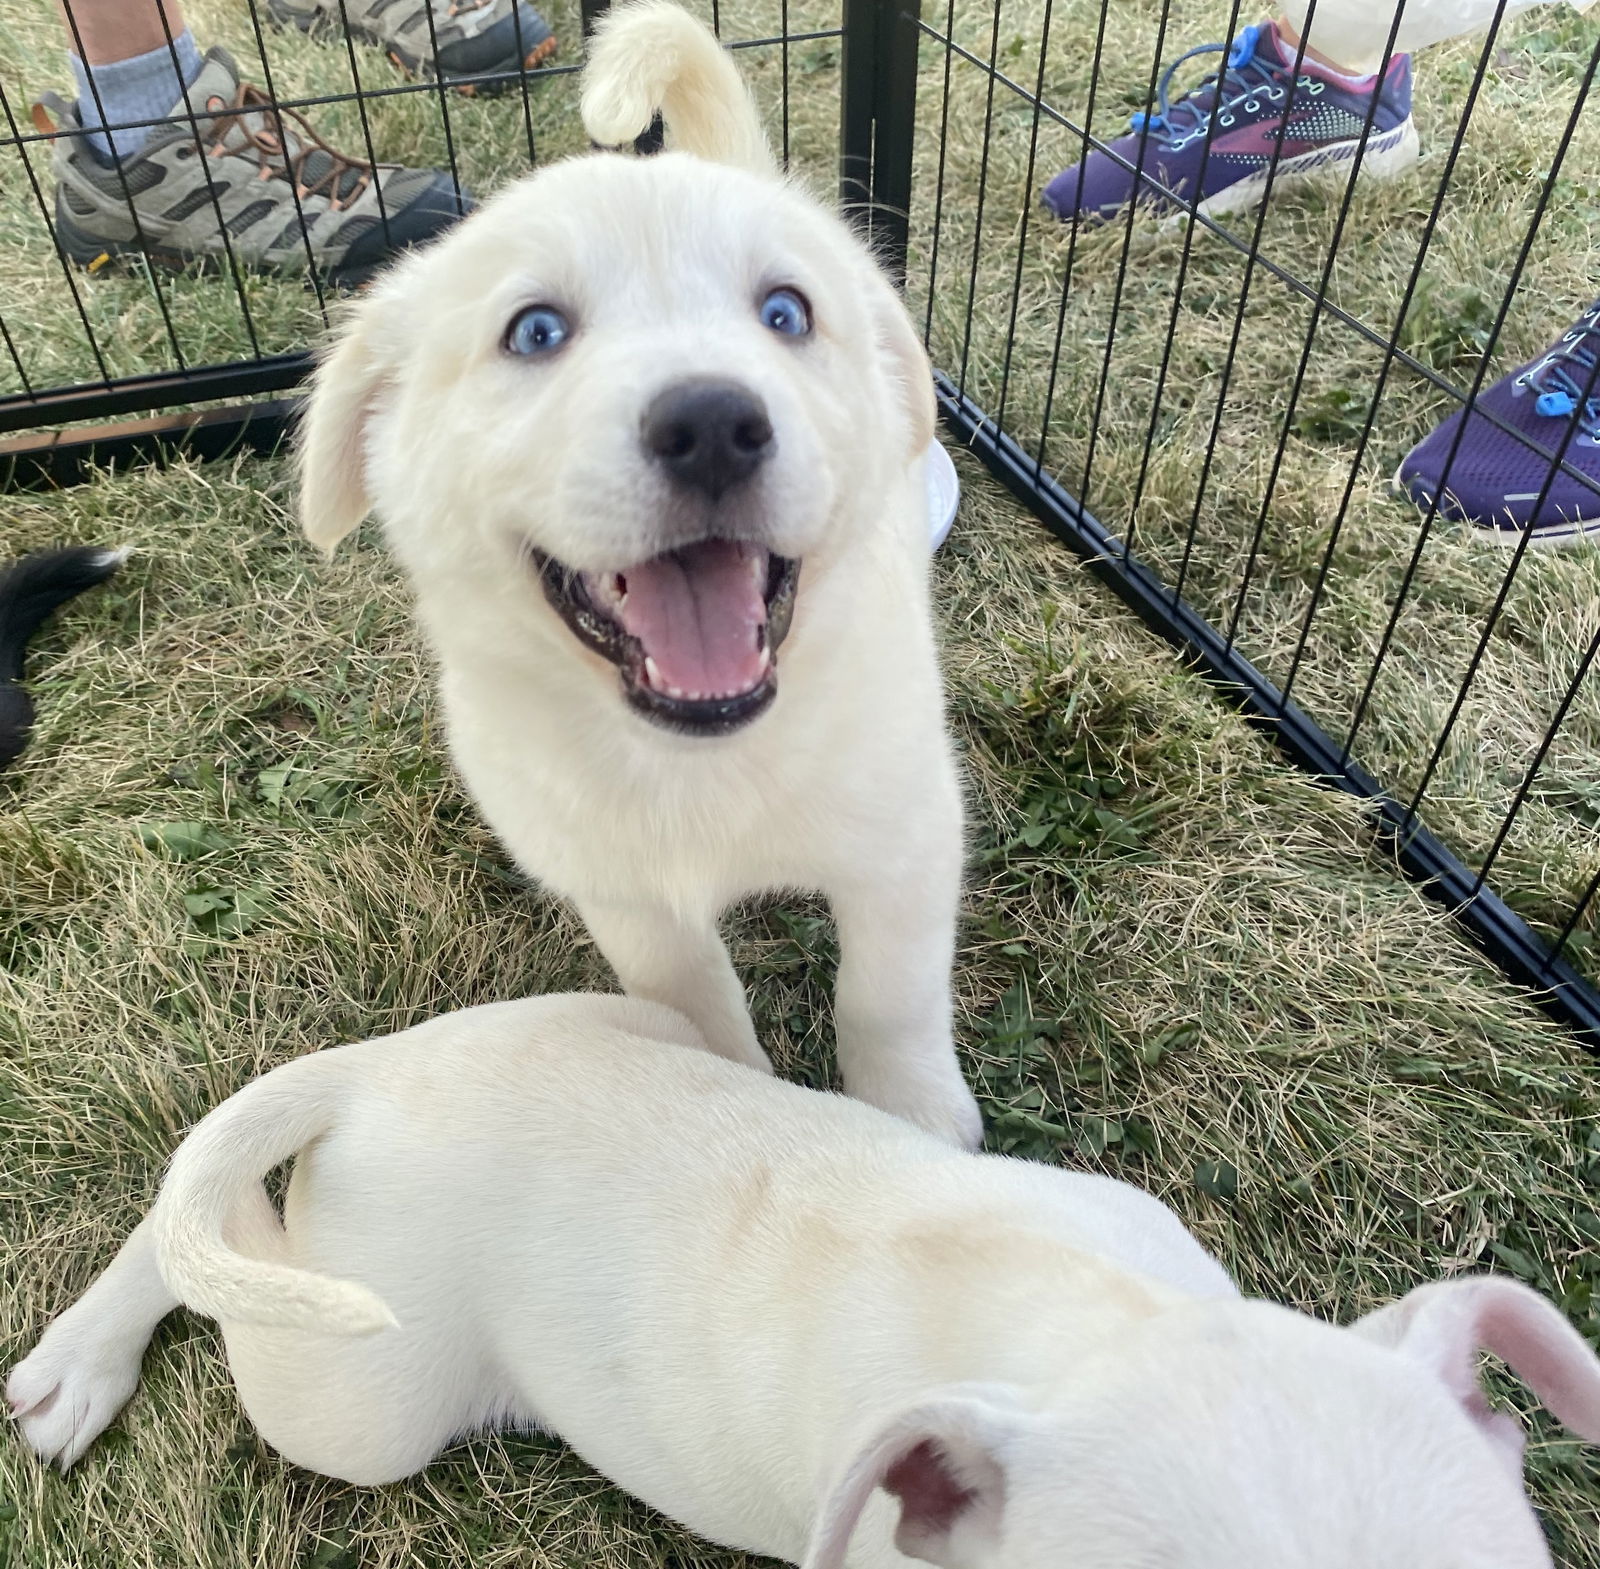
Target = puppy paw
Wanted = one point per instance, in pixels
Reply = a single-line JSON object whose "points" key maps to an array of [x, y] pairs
{"points": [[942, 1103], [64, 1395]]}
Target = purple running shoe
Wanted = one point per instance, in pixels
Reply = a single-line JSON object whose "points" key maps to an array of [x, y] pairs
{"points": [[1503, 486], [1256, 101]]}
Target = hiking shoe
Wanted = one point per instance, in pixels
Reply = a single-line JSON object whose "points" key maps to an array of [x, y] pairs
{"points": [[1499, 484], [467, 37], [164, 200], [1256, 101]]}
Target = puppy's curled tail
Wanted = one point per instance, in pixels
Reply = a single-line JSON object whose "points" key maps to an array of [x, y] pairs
{"points": [[213, 1187], [650, 57]]}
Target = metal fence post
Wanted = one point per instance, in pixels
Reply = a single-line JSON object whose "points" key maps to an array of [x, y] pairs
{"points": [[877, 122], [857, 98]]}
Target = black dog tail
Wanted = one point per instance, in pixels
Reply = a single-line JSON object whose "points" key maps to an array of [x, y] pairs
{"points": [[30, 589]]}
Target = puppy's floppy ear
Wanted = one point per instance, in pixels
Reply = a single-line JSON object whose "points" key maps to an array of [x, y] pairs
{"points": [[334, 495], [908, 362], [1444, 1326], [944, 1462]]}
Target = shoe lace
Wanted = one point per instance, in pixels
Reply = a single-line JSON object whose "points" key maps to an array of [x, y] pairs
{"points": [[1560, 391], [1246, 74], [315, 168]]}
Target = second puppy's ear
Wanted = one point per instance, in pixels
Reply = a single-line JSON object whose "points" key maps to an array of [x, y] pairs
{"points": [[943, 1461], [1444, 1326]]}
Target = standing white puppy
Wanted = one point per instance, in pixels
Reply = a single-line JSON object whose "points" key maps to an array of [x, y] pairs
{"points": [[798, 1326], [647, 436]]}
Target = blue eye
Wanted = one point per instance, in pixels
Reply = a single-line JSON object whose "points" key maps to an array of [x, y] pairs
{"points": [[786, 311], [537, 330]]}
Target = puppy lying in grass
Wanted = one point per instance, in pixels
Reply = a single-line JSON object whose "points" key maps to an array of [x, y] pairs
{"points": [[648, 437], [799, 1326]]}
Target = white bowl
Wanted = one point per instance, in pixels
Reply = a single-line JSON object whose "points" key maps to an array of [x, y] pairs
{"points": [[944, 493]]}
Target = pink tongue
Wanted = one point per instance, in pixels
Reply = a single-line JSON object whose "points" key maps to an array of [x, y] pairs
{"points": [[698, 613]]}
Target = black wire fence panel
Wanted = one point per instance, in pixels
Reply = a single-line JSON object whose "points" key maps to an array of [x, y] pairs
{"points": [[1216, 407], [1229, 398], [64, 330]]}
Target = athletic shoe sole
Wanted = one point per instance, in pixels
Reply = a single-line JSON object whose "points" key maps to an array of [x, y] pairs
{"points": [[418, 67], [1550, 536], [1387, 157]]}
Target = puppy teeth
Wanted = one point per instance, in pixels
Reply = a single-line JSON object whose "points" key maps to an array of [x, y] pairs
{"points": [[652, 673]]}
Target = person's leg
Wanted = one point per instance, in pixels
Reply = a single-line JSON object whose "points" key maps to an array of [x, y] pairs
{"points": [[1291, 37], [131, 60], [1358, 32], [105, 31], [220, 172], [1215, 144]]}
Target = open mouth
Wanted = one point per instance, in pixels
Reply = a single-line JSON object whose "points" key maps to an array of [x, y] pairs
{"points": [[694, 631]]}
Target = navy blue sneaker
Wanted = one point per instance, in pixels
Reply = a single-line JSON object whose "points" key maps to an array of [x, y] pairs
{"points": [[1256, 100], [1500, 484]]}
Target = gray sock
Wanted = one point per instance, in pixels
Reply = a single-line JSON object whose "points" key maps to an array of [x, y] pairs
{"points": [[145, 87]]}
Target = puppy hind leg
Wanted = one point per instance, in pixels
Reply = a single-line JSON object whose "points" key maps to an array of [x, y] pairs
{"points": [[892, 1011], [368, 1410], [683, 963], [86, 1365]]}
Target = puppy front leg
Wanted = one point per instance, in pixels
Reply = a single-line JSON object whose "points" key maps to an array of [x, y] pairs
{"points": [[683, 963], [892, 1013], [86, 1365]]}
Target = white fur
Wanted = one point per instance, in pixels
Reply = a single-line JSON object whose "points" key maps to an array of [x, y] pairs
{"points": [[799, 1326], [652, 56], [847, 784]]}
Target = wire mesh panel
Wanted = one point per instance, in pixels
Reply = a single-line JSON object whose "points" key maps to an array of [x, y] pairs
{"points": [[1215, 401]]}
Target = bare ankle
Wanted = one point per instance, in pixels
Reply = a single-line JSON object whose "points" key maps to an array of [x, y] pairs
{"points": [[1292, 47]]}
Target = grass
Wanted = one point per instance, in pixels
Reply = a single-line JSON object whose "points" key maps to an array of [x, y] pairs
{"points": [[236, 839]]}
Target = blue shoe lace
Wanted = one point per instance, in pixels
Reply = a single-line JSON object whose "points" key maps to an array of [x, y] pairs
{"points": [[1247, 74], [1560, 391]]}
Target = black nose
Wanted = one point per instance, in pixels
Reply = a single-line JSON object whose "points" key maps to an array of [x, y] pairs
{"points": [[709, 435]]}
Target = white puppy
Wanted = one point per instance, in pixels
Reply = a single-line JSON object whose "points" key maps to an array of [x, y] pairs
{"points": [[798, 1326], [647, 436]]}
